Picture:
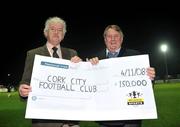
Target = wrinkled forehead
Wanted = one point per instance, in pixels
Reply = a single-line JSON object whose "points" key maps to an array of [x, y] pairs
{"points": [[56, 25], [112, 32]]}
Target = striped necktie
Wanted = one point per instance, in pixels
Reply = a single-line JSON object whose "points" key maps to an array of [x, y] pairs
{"points": [[112, 54]]}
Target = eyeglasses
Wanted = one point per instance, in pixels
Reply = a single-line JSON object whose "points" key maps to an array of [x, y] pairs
{"points": [[55, 30], [114, 37]]}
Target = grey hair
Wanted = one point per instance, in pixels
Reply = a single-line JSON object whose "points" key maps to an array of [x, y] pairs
{"points": [[114, 27], [54, 20]]}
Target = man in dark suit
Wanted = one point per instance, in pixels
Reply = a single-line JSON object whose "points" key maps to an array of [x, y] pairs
{"points": [[113, 37], [54, 31]]}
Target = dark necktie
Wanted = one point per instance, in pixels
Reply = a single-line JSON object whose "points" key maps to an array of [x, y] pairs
{"points": [[112, 55], [55, 52]]}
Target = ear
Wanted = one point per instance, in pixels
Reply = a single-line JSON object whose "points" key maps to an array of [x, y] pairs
{"points": [[104, 39], [121, 39], [45, 33]]}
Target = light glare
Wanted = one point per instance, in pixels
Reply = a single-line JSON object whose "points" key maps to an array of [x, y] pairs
{"points": [[164, 48]]}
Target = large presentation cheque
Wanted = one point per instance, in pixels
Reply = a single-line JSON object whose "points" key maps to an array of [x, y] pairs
{"points": [[114, 89]]}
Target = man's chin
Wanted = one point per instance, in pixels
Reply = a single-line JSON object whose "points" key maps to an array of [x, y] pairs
{"points": [[56, 41], [113, 48]]}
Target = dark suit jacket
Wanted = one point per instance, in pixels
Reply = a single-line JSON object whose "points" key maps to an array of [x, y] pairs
{"points": [[66, 54], [123, 52]]}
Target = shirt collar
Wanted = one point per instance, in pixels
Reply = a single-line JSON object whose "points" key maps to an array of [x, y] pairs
{"points": [[50, 46], [115, 51]]}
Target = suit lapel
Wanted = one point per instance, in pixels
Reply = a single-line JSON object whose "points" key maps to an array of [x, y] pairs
{"points": [[45, 51], [102, 54], [65, 54], [121, 52]]}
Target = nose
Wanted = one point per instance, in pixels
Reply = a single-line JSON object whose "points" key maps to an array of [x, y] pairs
{"points": [[112, 38], [56, 31]]}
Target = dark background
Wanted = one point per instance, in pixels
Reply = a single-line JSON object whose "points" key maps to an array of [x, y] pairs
{"points": [[144, 27]]}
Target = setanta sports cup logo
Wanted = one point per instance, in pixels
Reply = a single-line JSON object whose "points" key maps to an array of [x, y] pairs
{"points": [[135, 98]]}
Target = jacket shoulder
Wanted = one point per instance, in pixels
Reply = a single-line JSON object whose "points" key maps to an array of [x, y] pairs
{"points": [[130, 52]]}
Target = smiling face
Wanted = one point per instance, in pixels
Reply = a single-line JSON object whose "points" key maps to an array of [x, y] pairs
{"points": [[113, 38]]}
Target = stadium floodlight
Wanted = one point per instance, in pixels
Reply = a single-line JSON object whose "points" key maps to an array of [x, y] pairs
{"points": [[164, 49]]}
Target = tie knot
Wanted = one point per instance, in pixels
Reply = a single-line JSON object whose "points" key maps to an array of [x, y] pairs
{"points": [[55, 49], [112, 54]]}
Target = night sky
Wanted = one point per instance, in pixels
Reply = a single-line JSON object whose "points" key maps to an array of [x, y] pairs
{"points": [[144, 29]]}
